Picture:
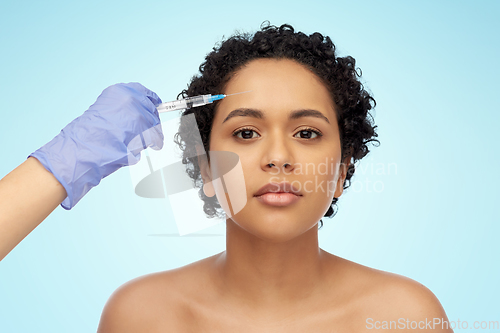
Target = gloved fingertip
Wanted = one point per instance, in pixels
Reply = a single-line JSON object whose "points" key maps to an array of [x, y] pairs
{"points": [[154, 98]]}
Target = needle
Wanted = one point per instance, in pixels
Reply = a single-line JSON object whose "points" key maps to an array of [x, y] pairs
{"points": [[238, 93]]}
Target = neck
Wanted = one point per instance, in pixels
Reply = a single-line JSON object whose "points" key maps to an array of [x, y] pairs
{"points": [[263, 272]]}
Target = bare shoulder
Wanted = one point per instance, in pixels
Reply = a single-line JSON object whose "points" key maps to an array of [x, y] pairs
{"points": [[151, 303], [378, 297]]}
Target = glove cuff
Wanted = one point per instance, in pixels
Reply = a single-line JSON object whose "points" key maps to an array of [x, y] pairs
{"points": [[42, 158]]}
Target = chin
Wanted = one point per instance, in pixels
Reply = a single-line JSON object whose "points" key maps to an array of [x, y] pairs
{"points": [[274, 228]]}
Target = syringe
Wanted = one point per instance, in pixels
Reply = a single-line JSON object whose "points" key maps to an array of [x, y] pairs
{"points": [[191, 102]]}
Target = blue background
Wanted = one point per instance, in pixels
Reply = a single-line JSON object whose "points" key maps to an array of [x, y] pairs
{"points": [[424, 203]]}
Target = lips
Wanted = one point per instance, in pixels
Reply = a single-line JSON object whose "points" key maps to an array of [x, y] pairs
{"points": [[283, 187]]}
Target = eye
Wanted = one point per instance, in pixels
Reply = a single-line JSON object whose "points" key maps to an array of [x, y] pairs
{"points": [[246, 133], [307, 133]]}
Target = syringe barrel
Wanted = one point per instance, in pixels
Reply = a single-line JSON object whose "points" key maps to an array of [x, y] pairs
{"points": [[172, 106], [195, 101], [186, 103]]}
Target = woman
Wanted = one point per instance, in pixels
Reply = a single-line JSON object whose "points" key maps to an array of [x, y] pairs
{"points": [[306, 109], [305, 106]]}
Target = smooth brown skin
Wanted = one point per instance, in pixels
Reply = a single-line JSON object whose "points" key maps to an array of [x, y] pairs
{"points": [[28, 194], [273, 277]]}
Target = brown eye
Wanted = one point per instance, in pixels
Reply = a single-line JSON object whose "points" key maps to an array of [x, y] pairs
{"points": [[246, 133], [308, 133]]}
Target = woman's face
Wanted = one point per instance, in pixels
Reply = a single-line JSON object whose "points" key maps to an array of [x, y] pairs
{"points": [[288, 117]]}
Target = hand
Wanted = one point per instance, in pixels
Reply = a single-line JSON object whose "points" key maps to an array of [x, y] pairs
{"points": [[109, 135]]}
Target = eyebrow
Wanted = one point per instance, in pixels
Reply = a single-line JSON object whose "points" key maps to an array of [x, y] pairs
{"points": [[254, 113]]}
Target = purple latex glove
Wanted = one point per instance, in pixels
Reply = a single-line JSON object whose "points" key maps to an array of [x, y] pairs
{"points": [[103, 139]]}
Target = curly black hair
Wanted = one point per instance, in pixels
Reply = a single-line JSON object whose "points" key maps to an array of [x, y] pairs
{"points": [[317, 53]]}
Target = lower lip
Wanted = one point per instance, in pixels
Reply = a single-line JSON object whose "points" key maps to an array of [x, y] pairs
{"points": [[278, 199]]}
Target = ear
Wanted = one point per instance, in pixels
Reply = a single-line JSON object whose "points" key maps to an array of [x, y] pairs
{"points": [[208, 187], [342, 176]]}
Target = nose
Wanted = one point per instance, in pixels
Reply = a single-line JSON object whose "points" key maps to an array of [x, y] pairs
{"points": [[278, 156]]}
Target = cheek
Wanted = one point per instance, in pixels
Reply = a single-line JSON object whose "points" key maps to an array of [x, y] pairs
{"points": [[319, 180]]}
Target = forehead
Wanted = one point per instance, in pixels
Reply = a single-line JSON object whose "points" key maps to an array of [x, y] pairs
{"points": [[276, 85]]}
